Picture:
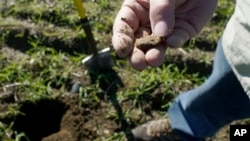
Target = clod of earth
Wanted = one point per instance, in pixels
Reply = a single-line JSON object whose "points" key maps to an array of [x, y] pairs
{"points": [[148, 42]]}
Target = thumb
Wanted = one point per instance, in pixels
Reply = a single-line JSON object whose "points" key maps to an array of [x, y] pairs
{"points": [[162, 16]]}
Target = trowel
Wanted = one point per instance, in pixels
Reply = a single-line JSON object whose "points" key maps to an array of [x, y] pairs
{"points": [[97, 60]]}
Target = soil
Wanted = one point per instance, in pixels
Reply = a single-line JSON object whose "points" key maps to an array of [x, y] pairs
{"points": [[68, 117], [63, 119], [148, 42]]}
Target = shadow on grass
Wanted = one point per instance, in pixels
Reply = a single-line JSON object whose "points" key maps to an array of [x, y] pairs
{"points": [[110, 82], [24, 43]]}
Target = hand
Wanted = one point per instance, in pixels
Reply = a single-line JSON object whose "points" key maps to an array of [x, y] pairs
{"points": [[177, 20]]}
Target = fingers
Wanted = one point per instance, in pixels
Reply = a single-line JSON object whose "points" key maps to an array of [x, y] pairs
{"points": [[190, 18], [155, 56], [162, 22], [177, 38], [126, 23], [162, 16], [182, 32], [123, 44], [137, 19], [123, 31], [198, 13], [141, 32], [137, 59]]}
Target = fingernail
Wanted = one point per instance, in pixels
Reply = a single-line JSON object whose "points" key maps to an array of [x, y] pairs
{"points": [[161, 29]]}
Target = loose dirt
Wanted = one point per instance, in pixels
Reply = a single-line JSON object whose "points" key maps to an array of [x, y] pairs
{"points": [[148, 42], [62, 119]]}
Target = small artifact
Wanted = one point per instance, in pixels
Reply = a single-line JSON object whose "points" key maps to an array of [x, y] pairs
{"points": [[148, 42]]}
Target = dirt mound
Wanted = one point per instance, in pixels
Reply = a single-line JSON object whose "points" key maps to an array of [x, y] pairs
{"points": [[62, 119]]}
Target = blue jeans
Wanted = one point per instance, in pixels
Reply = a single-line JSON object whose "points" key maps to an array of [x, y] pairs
{"points": [[201, 112]]}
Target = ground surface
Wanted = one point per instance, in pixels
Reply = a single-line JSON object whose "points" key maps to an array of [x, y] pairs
{"points": [[41, 48]]}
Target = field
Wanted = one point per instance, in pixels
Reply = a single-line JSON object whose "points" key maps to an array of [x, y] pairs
{"points": [[41, 48]]}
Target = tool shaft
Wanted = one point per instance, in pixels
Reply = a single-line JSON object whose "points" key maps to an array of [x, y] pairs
{"points": [[90, 36], [87, 29]]}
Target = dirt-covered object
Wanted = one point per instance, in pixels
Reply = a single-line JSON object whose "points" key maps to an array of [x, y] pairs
{"points": [[148, 42]]}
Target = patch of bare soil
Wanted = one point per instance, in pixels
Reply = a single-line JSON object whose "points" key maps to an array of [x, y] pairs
{"points": [[19, 33], [63, 119]]}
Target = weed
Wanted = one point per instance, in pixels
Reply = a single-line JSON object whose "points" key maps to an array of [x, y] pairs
{"points": [[20, 136]]}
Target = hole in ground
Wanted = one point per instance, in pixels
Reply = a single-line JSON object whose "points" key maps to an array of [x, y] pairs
{"points": [[40, 118]]}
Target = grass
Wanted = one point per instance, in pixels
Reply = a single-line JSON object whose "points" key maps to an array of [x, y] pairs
{"points": [[168, 78], [46, 71]]}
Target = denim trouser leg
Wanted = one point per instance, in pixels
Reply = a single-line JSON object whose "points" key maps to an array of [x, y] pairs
{"points": [[201, 112]]}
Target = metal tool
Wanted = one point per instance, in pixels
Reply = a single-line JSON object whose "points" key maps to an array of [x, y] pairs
{"points": [[98, 59]]}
